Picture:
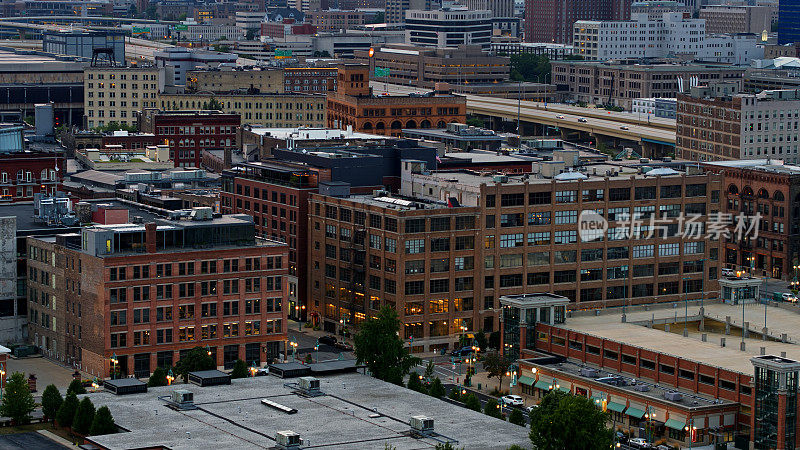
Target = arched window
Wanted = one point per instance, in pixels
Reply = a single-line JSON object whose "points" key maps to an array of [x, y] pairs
{"points": [[44, 174], [411, 124], [425, 124], [778, 196], [762, 193], [441, 124], [380, 126], [396, 125], [367, 125], [747, 191], [732, 189]]}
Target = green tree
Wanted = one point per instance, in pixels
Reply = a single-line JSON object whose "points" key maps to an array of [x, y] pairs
{"points": [[447, 446], [482, 341], [472, 402], [214, 104], [250, 34], [494, 340], [158, 378], [51, 401], [76, 387], [496, 365], [17, 399], [103, 423], [67, 410], [379, 347], [436, 389], [224, 48], [516, 447], [475, 121], [492, 408], [415, 384], [197, 359], [84, 416], [455, 394], [528, 67], [239, 369], [569, 421], [516, 417], [429, 371]]}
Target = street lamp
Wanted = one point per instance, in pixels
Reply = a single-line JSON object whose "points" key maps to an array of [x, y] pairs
{"points": [[2, 379], [208, 349], [650, 415], [114, 362], [293, 344], [316, 350], [170, 377], [253, 369], [690, 429]]}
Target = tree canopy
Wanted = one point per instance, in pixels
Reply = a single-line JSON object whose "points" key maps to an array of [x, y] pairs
{"points": [[496, 365], [569, 421], [239, 369], [378, 345], [197, 359], [529, 67], [158, 378], [51, 401], [17, 399], [77, 387], [103, 423], [84, 416], [67, 410]]}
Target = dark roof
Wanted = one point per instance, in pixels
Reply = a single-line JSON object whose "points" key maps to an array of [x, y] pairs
{"points": [[124, 382], [209, 373], [335, 365]]}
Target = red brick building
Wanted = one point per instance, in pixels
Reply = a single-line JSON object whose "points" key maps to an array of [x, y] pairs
{"points": [[143, 295], [188, 133], [130, 141], [286, 28], [310, 79], [25, 173]]}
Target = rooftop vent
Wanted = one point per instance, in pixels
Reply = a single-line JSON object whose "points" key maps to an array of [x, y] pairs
{"points": [[288, 440], [421, 424], [309, 385], [673, 396], [589, 372]]}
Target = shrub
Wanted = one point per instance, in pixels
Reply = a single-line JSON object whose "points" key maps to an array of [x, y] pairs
{"points": [[67, 410], [103, 423]]}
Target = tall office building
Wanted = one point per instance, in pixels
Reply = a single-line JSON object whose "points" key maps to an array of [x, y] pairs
{"points": [[789, 21], [552, 20], [396, 9]]}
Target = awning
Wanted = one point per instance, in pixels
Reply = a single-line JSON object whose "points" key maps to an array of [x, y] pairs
{"points": [[564, 389], [542, 385], [526, 381], [635, 412], [675, 424], [616, 407]]}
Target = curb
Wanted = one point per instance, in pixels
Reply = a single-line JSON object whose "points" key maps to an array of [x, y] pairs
{"points": [[56, 438]]}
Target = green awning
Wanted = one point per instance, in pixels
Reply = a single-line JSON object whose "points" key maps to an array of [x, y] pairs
{"points": [[616, 407], [564, 389], [542, 385], [526, 381], [635, 413], [675, 424]]}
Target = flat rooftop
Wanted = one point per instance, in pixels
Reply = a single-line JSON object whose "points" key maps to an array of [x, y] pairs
{"points": [[314, 133], [397, 202], [766, 165], [656, 392], [357, 412], [608, 324]]}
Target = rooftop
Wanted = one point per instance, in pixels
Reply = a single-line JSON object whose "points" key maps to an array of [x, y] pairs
{"points": [[766, 165], [313, 133], [608, 324], [653, 67], [357, 412], [397, 202]]}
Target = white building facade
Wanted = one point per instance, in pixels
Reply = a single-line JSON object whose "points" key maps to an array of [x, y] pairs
{"points": [[449, 28]]}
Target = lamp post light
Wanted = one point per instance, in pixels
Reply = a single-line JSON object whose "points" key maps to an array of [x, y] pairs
{"points": [[293, 344], [253, 369], [170, 377], [2, 379], [690, 429], [650, 415], [316, 350], [208, 349], [95, 384], [114, 362]]}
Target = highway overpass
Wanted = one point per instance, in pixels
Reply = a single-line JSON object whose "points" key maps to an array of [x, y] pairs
{"points": [[654, 138]]}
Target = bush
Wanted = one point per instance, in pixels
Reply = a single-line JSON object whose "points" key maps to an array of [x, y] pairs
{"points": [[415, 384], [436, 389], [517, 418], [103, 423], [239, 369], [492, 408], [84, 416], [472, 402], [455, 394], [158, 378], [67, 410], [76, 387], [51, 401]]}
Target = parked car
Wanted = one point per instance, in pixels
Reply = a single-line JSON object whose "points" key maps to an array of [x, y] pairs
{"points": [[621, 438], [463, 351], [788, 297], [263, 371], [581, 119], [344, 346], [639, 443], [728, 272], [529, 409], [624, 127], [512, 400], [560, 116], [329, 340]]}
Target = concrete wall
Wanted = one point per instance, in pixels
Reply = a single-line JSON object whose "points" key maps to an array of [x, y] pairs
{"points": [[11, 326]]}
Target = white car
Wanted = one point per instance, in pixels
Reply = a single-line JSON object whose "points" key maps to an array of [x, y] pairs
{"points": [[728, 272], [639, 443], [512, 400], [787, 297], [559, 116], [529, 409]]}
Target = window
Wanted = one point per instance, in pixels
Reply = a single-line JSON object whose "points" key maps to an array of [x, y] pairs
{"points": [[535, 278], [511, 280], [672, 191], [564, 276], [415, 266], [208, 310], [643, 251], [414, 246], [538, 259], [591, 254], [565, 217], [511, 260], [465, 243], [540, 198], [439, 286], [375, 241], [440, 244], [539, 218], [463, 284], [669, 249], [464, 263], [511, 240], [186, 312], [440, 224], [617, 253], [566, 196], [564, 256], [511, 220], [440, 265], [565, 237], [619, 194], [414, 287], [645, 193], [512, 199], [415, 225], [465, 222], [230, 308], [695, 190]]}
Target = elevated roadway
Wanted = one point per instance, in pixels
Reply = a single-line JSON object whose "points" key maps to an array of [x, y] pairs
{"points": [[623, 126]]}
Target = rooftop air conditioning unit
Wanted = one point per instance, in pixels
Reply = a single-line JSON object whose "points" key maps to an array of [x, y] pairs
{"points": [[588, 372], [182, 397], [288, 439], [309, 384], [642, 387], [500, 178], [673, 396], [421, 423]]}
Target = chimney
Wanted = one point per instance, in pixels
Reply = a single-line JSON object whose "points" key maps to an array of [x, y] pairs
{"points": [[150, 237]]}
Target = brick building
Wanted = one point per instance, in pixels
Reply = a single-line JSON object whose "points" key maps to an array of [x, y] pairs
{"points": [[716, 122], [619, 84], [353, 104], [255, 81], [188, 133], [309, 79], [551, 21], [772, 189], [335, 20], [147, 294], [275, 193], [23, 174], [455, 241]]}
